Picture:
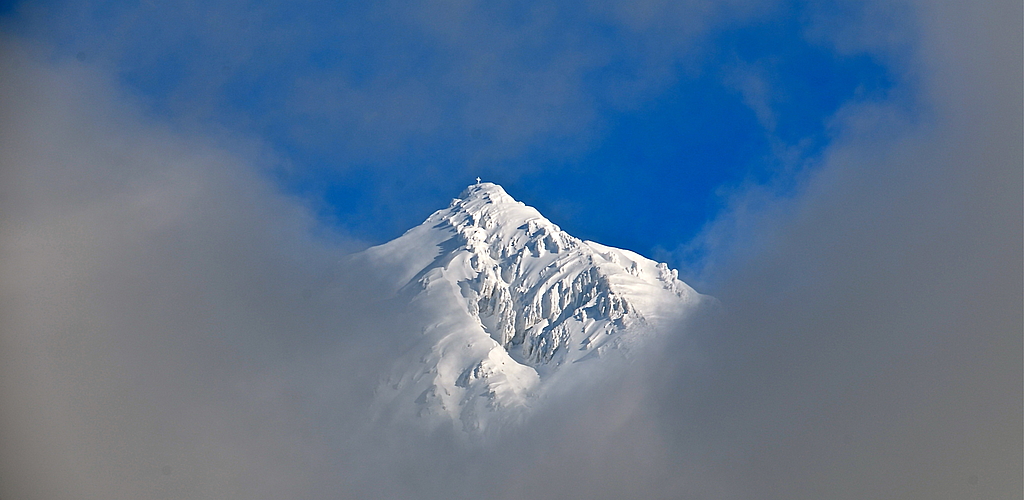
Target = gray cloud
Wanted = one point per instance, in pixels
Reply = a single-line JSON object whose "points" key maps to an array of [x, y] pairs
{"points": [[173, 327], [872, 344], [168, 316]]}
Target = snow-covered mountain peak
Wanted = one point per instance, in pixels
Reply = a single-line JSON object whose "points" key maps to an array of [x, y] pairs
{"points": [[483, 193], [487, 207], [510, 304]]}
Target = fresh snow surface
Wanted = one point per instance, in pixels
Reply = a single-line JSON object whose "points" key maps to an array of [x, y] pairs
{"points": [[510, 307]]}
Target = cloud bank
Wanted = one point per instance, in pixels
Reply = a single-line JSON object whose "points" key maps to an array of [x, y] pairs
{"points": [[174, 327]]}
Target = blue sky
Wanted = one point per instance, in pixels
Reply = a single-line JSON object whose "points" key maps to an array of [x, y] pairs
{"points": [[629, 126]]}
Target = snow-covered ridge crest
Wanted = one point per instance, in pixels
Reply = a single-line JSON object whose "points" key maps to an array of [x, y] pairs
{"points": [[511, 303]]}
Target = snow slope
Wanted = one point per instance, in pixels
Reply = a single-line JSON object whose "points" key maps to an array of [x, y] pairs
{"points": [[509, 305]]}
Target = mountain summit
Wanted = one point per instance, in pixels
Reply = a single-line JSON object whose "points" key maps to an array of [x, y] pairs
{"points": [[510, 306]]}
